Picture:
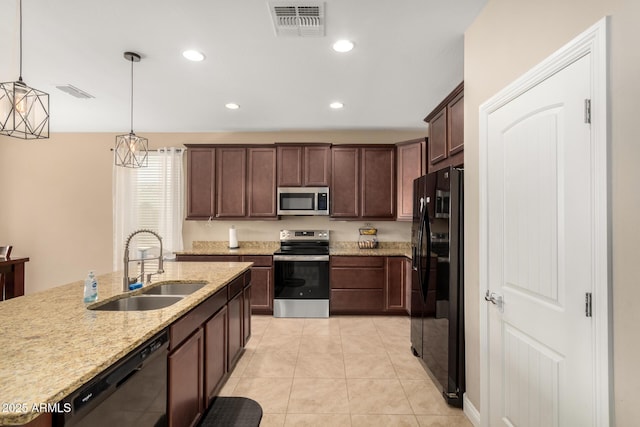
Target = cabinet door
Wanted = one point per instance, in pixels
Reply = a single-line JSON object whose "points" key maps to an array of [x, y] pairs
{"points": [[261, 182], [262, 290], [345, 182], [317, 166], [378, 182], [395, 291], [455, 118], [246, 314], [200, 183], [438, 137], [235, 334], [290, 166], [231, 166], [185, 399], [215, 352], [410, 166]]}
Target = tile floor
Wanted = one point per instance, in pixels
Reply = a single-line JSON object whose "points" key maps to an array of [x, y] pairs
{"points": [[340, 371]]}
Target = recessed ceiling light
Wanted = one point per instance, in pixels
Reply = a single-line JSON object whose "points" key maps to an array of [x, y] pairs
{"points": [[193, 55], [336, 105], [232, 106], [343, 46]]}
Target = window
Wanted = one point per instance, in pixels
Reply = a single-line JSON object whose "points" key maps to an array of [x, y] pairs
{"points": [[149, 198]]}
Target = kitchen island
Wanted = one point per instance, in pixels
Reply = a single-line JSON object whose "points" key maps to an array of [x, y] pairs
{"points": [[52, 344]]}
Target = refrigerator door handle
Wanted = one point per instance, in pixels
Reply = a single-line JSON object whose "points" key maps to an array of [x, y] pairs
{"points": [[428, 254]]}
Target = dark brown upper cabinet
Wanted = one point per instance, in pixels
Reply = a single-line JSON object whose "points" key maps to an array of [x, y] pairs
{"points": [[231, 181], [363, 182], [411, 165], [446, 132], [201, 183], [304, 165]]}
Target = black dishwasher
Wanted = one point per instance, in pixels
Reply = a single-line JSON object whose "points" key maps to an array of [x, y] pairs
{"points": [[133, 392]]}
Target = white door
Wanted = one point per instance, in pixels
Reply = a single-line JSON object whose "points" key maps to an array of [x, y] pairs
{"points": [[539, 260]]}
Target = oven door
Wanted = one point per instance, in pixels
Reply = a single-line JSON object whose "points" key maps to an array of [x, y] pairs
{"points": [[301, 277]]}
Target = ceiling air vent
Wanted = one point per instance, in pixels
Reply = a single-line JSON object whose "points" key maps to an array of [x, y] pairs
{"points": [[298, 19], [74, 91]]}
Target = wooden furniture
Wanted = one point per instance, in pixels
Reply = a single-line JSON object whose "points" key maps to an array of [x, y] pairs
{"points": [[12, 277], [411, 165], [304, 165], [231, 181], [261, 277], [363, 182], [446, 131], [205, 345], [369, 285]]}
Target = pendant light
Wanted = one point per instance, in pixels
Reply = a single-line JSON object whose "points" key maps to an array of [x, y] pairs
{"points": [[131, 150], [24, 111]]}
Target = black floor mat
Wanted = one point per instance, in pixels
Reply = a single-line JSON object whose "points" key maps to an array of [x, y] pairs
{"points": [[232, 411]]}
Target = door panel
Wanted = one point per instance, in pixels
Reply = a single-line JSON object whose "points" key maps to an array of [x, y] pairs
{"points": [[539, 253]]}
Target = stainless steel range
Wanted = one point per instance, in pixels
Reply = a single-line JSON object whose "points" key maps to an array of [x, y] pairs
{"points": [[302, 274]]}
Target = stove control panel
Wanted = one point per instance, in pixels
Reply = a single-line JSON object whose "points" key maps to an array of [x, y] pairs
{"points": [[287, 235]]}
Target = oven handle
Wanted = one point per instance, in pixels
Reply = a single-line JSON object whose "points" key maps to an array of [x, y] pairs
{"points": [[301, 258]]}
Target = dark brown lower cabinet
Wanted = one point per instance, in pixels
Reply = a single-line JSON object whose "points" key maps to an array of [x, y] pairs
{"points": [[236, 337], [215, 352], [357, 284], [261, 277], [204, 346], [369, 285], [395, 289], [246, 314], [185, 374]]}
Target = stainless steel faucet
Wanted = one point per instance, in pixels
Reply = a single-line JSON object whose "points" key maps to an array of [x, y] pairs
{"points": [[127, 280]]}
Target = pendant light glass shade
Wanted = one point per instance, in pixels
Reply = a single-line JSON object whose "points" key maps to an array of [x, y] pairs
{"points": [[131, 151], [24, 111]]}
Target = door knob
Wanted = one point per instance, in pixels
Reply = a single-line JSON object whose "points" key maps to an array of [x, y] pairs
{"points": [[495, 299]]}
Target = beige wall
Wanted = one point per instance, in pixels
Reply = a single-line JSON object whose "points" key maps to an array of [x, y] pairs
{"points": [[56, 205], [508, 38]]}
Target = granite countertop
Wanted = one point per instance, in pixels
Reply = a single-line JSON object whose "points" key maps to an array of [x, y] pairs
{"points": [[268, 248], [52, 344], [222, 248]]}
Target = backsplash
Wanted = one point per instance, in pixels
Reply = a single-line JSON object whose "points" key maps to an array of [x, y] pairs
{"points": [[255, 231]]}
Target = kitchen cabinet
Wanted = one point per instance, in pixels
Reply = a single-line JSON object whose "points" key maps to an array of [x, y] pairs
{"points": [[200, 183], [185, 400], [363, 182], [261, 277], [215, 352], [411, 165], [261, 182], [395, 295], [204, 346], [304, 165], [446, 131], [231, 182], [357, 284]]}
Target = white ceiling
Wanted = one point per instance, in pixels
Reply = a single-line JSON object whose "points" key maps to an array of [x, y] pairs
{"points": [[408, 57]]}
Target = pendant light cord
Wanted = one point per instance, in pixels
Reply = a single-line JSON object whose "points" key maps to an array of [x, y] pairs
{"points": [[20, 77], [132, 94]]}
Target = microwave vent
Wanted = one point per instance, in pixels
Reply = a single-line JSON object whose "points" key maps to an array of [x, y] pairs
{"points": [[298, 19]]}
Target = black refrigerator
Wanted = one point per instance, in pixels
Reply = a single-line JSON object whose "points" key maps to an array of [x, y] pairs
{"points": [[437, 309]]}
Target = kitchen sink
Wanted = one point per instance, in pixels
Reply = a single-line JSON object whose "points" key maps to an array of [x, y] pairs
{"points": [[174, 288], [139, 303]]}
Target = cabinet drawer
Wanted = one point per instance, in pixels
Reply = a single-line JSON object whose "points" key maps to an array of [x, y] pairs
{"points": [[357, 278], [356, 300], [191, 321], [236, 286], [357, 261], [259, 260]]}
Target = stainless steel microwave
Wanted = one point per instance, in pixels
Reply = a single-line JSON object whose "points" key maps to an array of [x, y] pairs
{"points": [[303, 200]]}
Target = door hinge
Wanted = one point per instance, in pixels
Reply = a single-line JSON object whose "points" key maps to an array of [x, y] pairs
{"points": [[587, 111], [587, 304]]}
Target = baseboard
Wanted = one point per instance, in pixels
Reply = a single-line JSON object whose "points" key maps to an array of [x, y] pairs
{"points": [[470, 411]]}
